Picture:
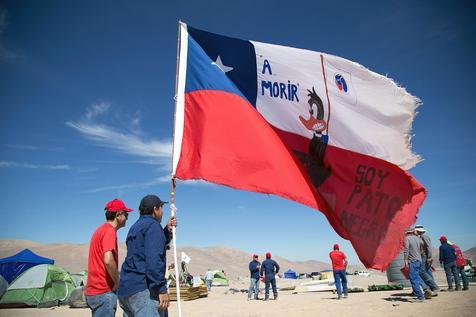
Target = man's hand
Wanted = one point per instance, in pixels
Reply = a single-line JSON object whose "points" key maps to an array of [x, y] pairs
{"points": [[172, 222], [164, 301]]}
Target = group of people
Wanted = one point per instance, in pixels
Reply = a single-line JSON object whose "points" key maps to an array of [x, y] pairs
{"points": [[266, 272], [141, 286], [418, 258]]}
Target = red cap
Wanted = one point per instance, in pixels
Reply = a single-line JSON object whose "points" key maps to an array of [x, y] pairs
{"points": [[116, 205], [336, 246], [255, 255], [443, 238], [268, 255]]}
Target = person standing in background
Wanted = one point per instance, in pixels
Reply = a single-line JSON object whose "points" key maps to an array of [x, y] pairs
{"points": [[339, 265], [269, 268], [448, 262], [209, 279], [460, 264], [254, 267]]}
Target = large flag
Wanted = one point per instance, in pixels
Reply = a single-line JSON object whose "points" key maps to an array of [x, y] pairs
{"points": [[307, 126]]}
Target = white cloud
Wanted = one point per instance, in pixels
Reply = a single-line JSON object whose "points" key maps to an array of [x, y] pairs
{"points": [[143, 185], [9, 164], [130, 140], [97, 109], [136, 119], [123, 142], [131, 186]]}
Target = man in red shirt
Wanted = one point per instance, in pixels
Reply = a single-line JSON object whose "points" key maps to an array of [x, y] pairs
{"points": [[339, 264], [460, 264], [103, 274]]}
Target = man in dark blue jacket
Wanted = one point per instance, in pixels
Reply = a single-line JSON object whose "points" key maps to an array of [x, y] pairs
{"points": [[254, 267], [270, 268], [448, 261], [142, 285]]}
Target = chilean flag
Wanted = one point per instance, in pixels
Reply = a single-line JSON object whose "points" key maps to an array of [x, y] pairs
{"points": [[307, 126]]}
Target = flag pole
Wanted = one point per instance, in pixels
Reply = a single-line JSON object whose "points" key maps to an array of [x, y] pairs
{"points": [[172, 192]]}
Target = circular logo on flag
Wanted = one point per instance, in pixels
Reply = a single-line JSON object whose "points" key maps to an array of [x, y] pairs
{"points": [[340, 82]]}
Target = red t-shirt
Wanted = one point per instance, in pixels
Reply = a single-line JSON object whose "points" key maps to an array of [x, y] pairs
{"points": [[460, 261], [337, 259], [104, 239]]}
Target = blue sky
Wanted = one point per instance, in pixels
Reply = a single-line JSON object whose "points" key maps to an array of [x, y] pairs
{"points": [[86, 113]]}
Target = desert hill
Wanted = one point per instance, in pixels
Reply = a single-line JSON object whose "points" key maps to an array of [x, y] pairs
{"points": [[470, 254], [73, 257]]}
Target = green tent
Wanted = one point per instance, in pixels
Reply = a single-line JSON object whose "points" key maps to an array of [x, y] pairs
{"points": [[41, 286], [79, 278], [219, 278]]}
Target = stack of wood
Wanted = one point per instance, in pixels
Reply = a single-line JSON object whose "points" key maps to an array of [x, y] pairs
{"points": [[186, 293], [203, 290]]}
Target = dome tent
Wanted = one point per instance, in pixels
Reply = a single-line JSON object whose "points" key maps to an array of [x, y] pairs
{"points": [[290, 274], [43, 285], [14, 265], [3, 286], [219, 278], [80, 278]]}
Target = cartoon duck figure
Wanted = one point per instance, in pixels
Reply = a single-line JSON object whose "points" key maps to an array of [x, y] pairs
{"points": [[314, 160], [316, 122]]}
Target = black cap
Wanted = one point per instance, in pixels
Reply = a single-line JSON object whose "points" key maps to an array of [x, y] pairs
{"points": [[149, 202]]}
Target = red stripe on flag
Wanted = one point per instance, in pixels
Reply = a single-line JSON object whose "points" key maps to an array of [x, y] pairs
{"points": [[227, 142], [367, 200]]}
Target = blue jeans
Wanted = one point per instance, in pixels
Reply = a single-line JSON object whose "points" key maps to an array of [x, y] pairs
{"points": [[254, 288], [141, 304], [450, 270], [428, 279], [464, 278], [428, 269], [415, 279], [340, 277], [103, 305], [209, 285], [271, 281]]}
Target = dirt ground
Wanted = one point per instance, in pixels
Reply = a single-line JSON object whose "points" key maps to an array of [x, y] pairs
{"points": [[222, 302]]}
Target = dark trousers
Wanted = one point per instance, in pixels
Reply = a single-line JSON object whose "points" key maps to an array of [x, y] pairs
{"points": [[271, 281], [451, 271]]}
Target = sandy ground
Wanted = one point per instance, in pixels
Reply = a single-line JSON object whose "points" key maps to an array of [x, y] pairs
{"points": [[221, 302]]}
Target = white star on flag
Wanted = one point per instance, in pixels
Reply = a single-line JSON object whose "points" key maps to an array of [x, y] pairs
{"points": [[219, 63]]}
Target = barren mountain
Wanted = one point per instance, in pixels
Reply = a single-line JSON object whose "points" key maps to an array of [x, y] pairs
{"points": [[73, 257], [470, 254]]}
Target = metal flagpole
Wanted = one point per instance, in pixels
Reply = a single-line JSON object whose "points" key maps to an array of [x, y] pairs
{"points": [[173, 209]]}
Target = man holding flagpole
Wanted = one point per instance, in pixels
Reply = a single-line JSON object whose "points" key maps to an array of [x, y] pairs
{"points": [[143, 287]]}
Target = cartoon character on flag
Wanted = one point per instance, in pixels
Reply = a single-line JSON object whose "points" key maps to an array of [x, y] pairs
{"points": [[314, 159]]}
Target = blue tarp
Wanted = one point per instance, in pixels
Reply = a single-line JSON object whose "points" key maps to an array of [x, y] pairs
{"points": [[290, 274], [16, 264]]}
